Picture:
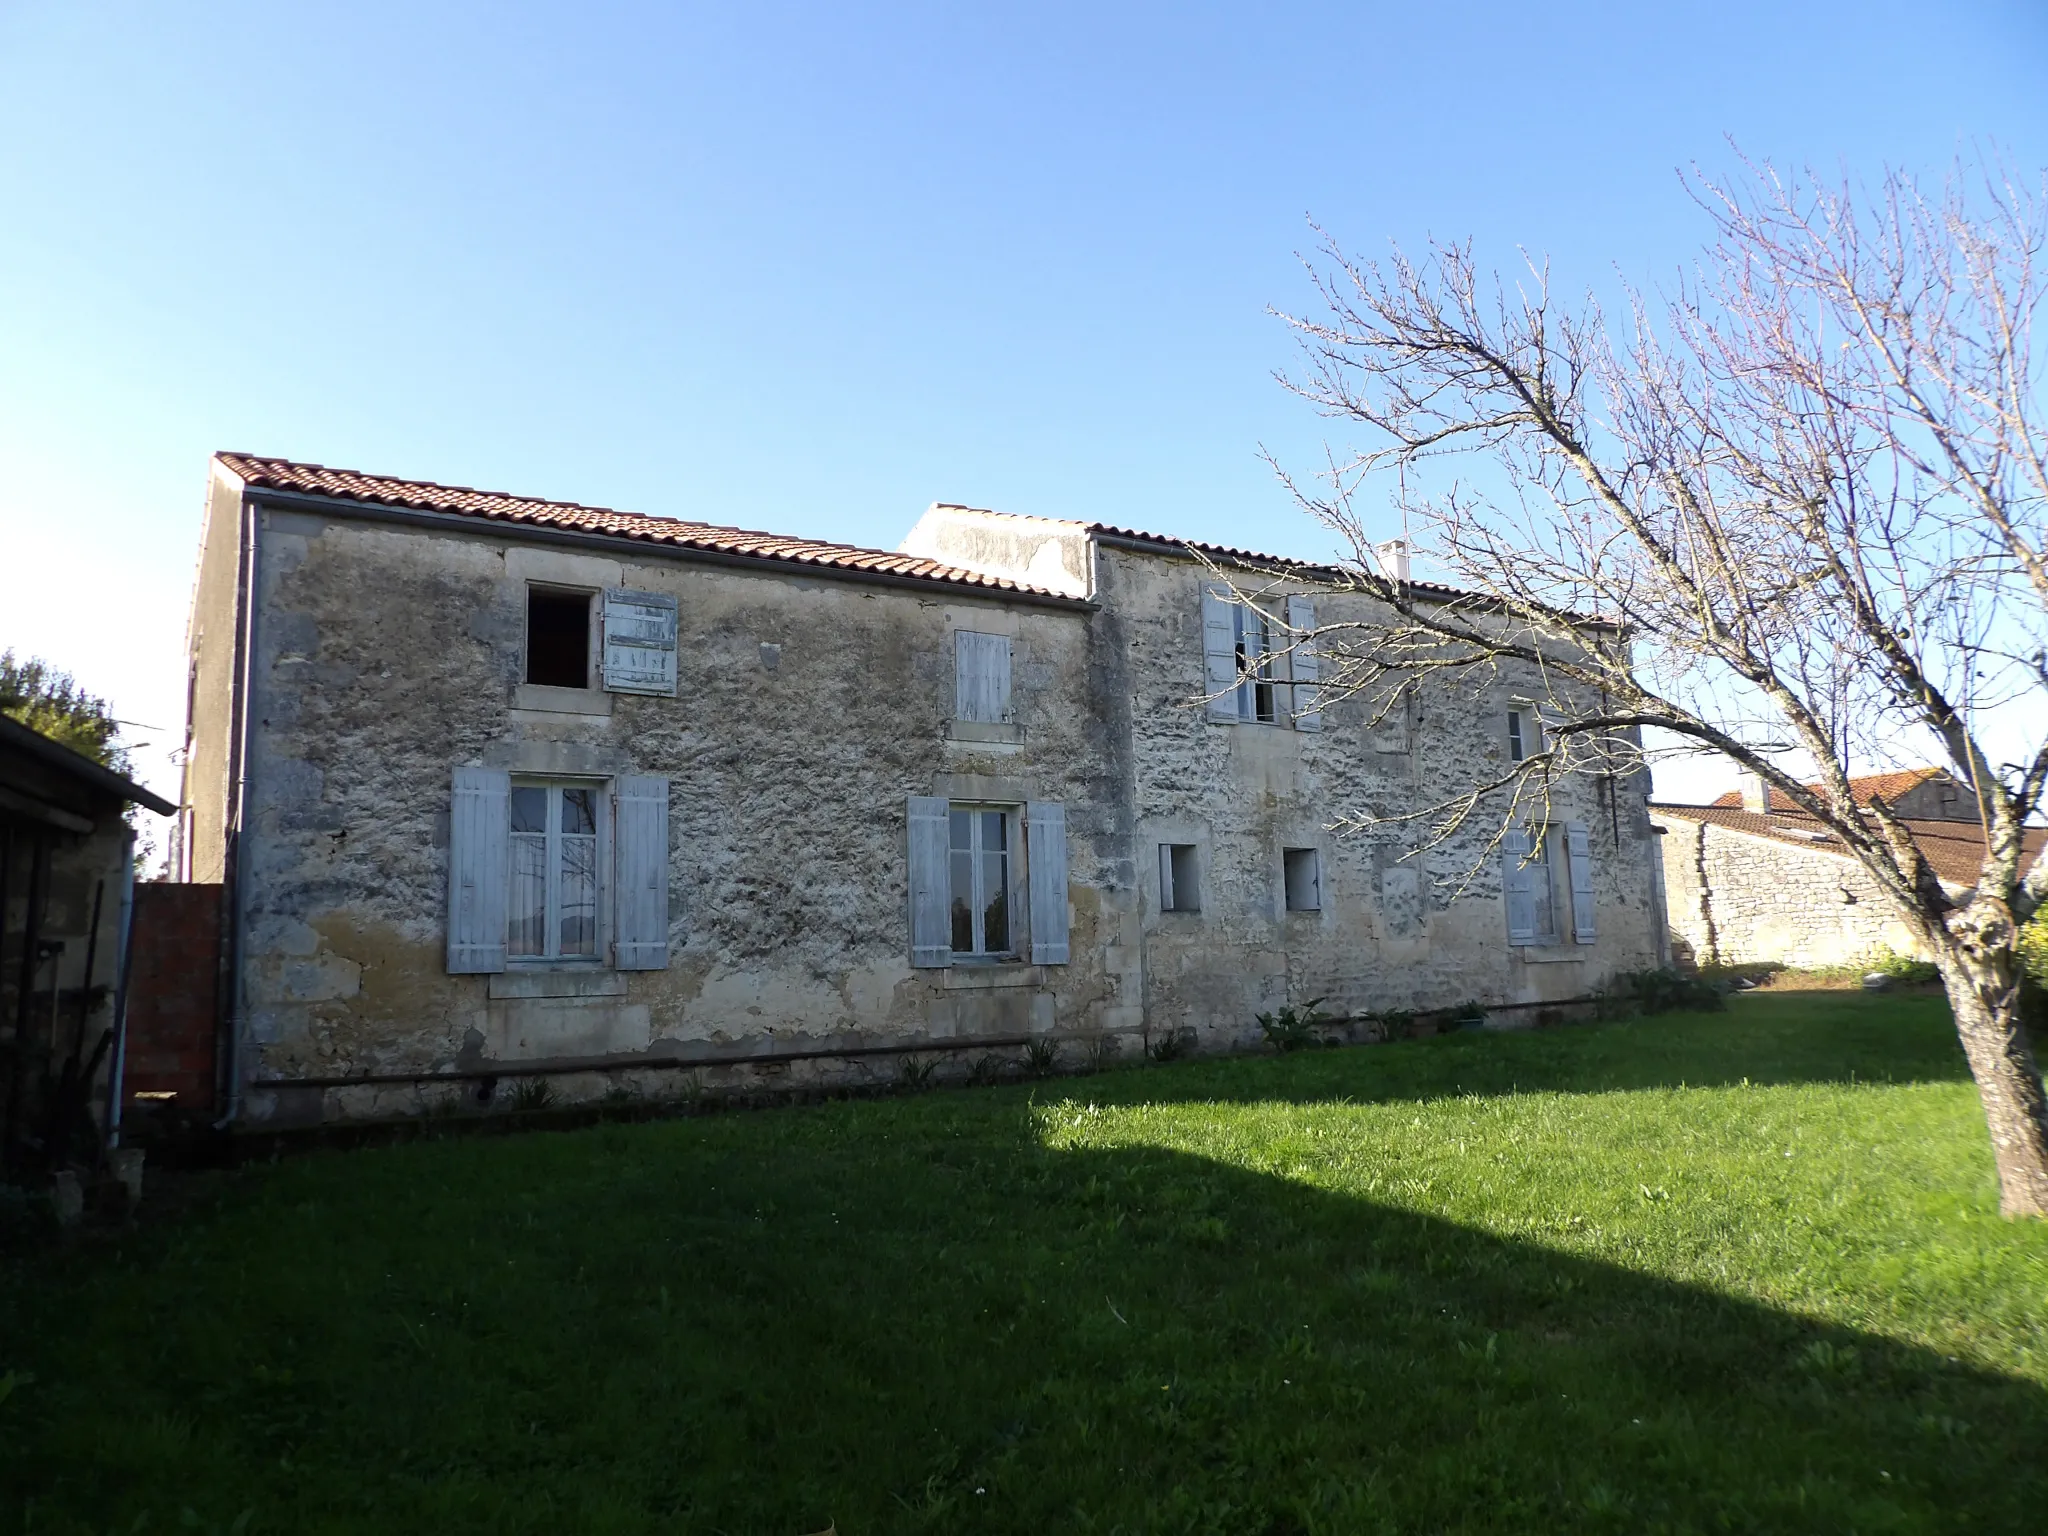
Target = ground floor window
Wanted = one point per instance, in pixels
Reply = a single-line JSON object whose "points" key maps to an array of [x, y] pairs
{"points": [[979, 851], [555, 872]]}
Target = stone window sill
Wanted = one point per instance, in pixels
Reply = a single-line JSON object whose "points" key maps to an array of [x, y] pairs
{"points": [[543, 699], [578, 981], [972, 976], [1007, 732]]}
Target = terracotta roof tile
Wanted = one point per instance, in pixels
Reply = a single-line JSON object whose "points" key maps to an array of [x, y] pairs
{"points": [[1954, 848], [499, 506], [1885, 786]]}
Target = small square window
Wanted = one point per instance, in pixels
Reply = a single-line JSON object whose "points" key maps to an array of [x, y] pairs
{"points": [[557, 637], [1180, 888], [1303, 871]]}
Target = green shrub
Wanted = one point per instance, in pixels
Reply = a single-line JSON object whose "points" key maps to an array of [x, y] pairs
{"points": [[1889, 962], [1394, 1023], [1659, 990], [1172, 1045], [1294, 1028]]}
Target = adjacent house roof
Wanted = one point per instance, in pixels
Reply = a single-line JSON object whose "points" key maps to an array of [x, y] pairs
{"points": [[1225, 554], [349, 485], [1954, 848], [17, 740], [1885, 786]]}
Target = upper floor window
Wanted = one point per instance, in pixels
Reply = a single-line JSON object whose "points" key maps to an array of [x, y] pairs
{"points": [[1525, 733], [623, 642], [981, 677], [558, 624], [1255, 667]]}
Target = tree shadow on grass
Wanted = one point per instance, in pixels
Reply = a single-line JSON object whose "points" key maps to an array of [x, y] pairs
{"points": [[938, 1323]]}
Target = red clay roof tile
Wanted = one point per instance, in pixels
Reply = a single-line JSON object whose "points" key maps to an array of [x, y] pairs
{"points": [[499, 506]]}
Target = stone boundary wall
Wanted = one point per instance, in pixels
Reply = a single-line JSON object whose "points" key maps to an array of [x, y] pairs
{"points": [[1739, 899]]}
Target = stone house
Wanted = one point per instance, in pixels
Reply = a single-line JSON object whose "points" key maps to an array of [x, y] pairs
{"points": [[1753, 882], [499, 787]]}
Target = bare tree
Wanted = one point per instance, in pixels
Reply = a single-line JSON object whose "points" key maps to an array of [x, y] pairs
{"points": [[1809, 493]]}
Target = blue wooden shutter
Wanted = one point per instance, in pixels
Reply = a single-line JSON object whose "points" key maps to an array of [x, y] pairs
{"points": [[981, 677], [640, 873], [931, 934], [479, 848], [1045, 849], [1579, 855], [639, 643], [1307, 669], [1219, 651], [1518, 880]]}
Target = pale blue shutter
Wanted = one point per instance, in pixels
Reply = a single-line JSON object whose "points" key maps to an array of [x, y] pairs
{"points": [[1307, 669], [1045, 847], [479, 848], [639, 643], [931, 934], [640, 873], [1219, 651], [1518, 881], [1579, 855], [981, 677]]}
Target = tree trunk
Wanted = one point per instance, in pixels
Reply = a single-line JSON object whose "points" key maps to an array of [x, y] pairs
{"points": [[1985, 996]]}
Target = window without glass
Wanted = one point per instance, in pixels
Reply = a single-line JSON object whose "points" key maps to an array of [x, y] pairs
{"points": [[1179, 884], [552, 911], [1303, 872], [979, 840], [557, 637]]}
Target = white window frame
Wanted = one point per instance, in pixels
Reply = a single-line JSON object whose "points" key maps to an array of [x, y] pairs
{"points": [[1017, 896], [1255, 667], [551, 957]]}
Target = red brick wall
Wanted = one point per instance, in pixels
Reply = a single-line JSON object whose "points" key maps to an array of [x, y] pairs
{"points": [[172, 985]]}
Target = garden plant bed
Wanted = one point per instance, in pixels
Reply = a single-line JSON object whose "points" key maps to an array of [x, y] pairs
{"points": [[1700, 1272]]}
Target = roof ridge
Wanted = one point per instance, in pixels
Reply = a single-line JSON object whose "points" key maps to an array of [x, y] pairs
{"points": [[304, 478]]}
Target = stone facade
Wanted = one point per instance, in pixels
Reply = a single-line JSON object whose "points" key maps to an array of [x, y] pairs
{"points": [[1738, 898], [815, 711]]}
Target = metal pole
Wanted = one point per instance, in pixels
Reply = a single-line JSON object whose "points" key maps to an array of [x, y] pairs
{"points": [[118, 1071]]}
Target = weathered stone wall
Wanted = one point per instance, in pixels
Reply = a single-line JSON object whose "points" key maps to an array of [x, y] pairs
{"points": [[1397, 929], [1738, 899], [807, 711]]}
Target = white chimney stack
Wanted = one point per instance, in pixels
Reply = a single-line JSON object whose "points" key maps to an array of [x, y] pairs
{"points": [[1756, 792], [1393, 558]]}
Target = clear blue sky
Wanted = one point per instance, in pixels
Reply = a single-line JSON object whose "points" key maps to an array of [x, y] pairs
{"points": [[810, 268]]}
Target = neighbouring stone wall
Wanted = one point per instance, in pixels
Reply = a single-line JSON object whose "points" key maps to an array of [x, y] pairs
{"points": [[1738, 899]]}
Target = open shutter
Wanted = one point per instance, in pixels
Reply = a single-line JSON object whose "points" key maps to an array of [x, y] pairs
{"points": [[640, 873], [479, 846], [1045, 834], [1519, 882], [931, 936], [1579, 854], [1168, 902], [639, 643], [1308, 704], [1219, 651], [981, 677]]}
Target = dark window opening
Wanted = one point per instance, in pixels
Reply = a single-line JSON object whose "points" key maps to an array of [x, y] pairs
{"points": [[557, 638], [1302, 870], [1179, 885]]}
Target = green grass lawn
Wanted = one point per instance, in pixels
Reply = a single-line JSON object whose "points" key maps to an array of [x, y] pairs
{"points": [[1700, 1273]]}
